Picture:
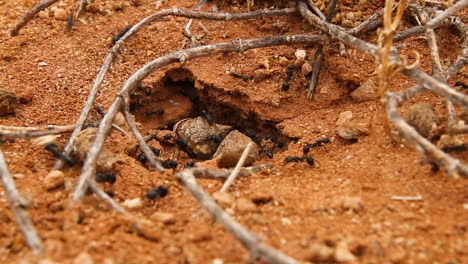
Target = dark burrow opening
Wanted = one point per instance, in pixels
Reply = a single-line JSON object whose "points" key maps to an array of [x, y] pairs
{"points": [[160, 104]]}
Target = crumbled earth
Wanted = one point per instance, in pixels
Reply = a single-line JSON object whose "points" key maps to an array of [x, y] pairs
{"points": [[338, 210]]}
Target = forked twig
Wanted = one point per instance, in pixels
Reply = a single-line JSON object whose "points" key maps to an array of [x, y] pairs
{"points": [[235, 172], [247, 239], [24, 222], [182, 56], [193, 40], [447, 13], [43, 4]]}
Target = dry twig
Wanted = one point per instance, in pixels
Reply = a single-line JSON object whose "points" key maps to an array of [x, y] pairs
{"points": [[248, 240], [43, 4], [153, 160], [235, 172], [31, 132], [193, 40], [24, 222]]}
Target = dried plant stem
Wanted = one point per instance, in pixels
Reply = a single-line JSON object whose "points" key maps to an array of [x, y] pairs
{"points": [[318, 53], [31, 132], [43, 4], [103, 195], [181, 56], [369, 24], [137, 27], [447, 13], [317, 11], [247, 239], [235, 172], [81, 6], [24, 222], [153, 160], [193, 40]]}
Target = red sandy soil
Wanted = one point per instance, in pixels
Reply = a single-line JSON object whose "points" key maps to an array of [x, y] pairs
{"points": [[303, 205]]}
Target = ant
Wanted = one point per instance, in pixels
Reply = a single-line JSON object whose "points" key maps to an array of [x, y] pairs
{"points": [[110, 193], [183, 144], [462, 85], [99, 111], [267, 151], [120, 35], [289, 73], [214, 138], [275, 140], [159, 192], [168, 137], [70, 22], [237, 75], [169, 164], [189, 164], [316, 144], [52, 147], [142, 158], [208, 117], [448, 149], [434, 166], [308, 159], [153, 112], [106, 177]]}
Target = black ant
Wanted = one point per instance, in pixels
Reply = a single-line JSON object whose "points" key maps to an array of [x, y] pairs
{"points": [[275, 140], [208, 117], [158, 192], [462, 85], [268, 152], [316, 144], [154, 112], [110, 193], [52, 147], [169, 164], [99, 111], [237, 75], [448, 149], [434, 166], [189, 164], [120, 35], [308, 159], [289, 73], [142, 158], [70, 22], [183, 144], [106, 177], [214, 138], [168, 137]]}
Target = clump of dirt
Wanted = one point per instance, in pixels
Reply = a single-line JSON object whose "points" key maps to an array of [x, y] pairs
{"points": [[8, 102]]}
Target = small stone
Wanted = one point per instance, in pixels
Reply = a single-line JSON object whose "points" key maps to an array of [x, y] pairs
{"points": [[245, 205], [230, 150], [201, 234], [60, 14], [465, 206], [8, 102], [448, 141], [422, 117], [165, 218], [224, 199], [83, 258], [348, 128], [18, 176], [84, 141], [43, 14], [306, 68], [42, 63], [260, 75], [342, 252], [352, 203], [300, 54], [283, 61], [120, 120], [318, 252], [54, 179], [218, 261], [365, 92], [134, 203]]}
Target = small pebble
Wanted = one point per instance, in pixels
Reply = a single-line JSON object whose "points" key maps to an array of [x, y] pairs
{"points": [[245, 205], [165, 218], [224, 199], [60, 14], [54, 179], [367, 91], [306, 68], [83, 258], [318, 252], [134, 203], [349, 128], [342, 252], [352, 203]]}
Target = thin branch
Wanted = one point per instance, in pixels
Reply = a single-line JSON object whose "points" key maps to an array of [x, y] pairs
{"points": [[81, 6], [187, 32], [103, 195], [153, 160], [447, 13], [247, 239], [182, 56], [369, 24], [24, 222], [235, 172], [43, 4], [318, 53], [31, 132], [317, 11], [137, 27]]}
